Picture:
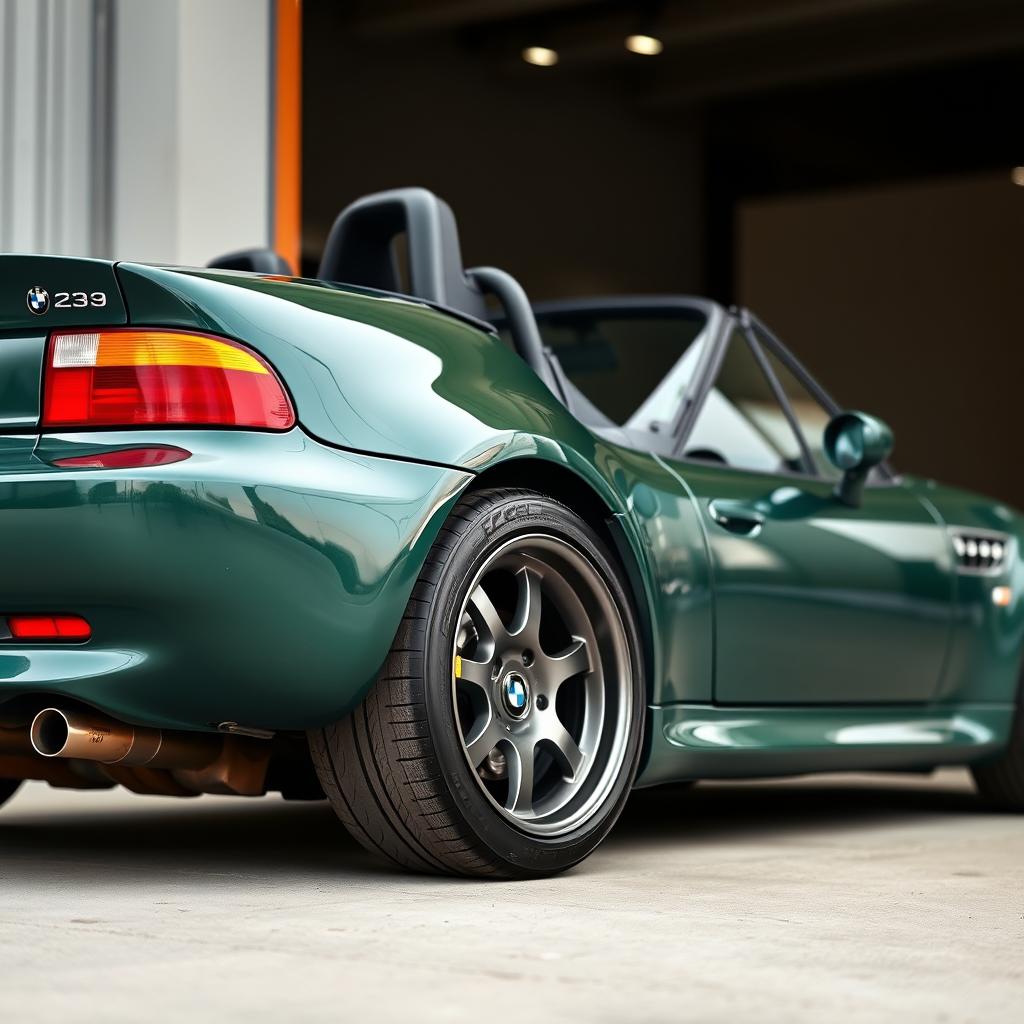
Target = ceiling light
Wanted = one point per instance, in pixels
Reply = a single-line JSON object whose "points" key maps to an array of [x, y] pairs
{"points": [[541, 56], [647, 46]]}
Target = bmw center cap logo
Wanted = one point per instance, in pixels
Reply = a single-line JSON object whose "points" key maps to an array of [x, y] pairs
{"points": [[515, 693], [38, 300]]}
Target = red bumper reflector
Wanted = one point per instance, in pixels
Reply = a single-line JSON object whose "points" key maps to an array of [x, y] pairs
{"points": [[48, 627], [124, 458]]}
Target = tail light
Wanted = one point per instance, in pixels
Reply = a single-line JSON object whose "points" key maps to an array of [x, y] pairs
{"points": [[127, 377]]}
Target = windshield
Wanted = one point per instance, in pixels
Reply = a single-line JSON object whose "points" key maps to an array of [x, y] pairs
{"points": [[634, 365]]}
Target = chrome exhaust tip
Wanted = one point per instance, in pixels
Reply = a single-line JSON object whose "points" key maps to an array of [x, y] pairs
{"points": [[88, 736], [50, 732], [91, 736], [200, 762]]}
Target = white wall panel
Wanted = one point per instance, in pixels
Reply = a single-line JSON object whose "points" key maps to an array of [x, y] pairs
{"points": [[46, 118], [146, 143], [191, 128], [135, 128], [224, 98]]}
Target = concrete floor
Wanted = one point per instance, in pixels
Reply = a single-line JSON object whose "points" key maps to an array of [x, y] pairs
{"points": [[839, 899]]}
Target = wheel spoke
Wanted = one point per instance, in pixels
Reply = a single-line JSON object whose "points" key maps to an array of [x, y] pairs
{"points": [[565, 748], [526, 621], [574, 660], [520, 776], [476, 672], [485, 616], [484, 741]]}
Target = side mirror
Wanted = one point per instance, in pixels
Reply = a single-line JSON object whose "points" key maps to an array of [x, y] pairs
{"points": [[855, 443]]}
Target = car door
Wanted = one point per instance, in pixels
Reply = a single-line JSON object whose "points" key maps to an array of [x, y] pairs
{"points": [[629, 369], [815, 602]]}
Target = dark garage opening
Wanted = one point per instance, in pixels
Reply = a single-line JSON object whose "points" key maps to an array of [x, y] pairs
{"points": [[844, 168]]}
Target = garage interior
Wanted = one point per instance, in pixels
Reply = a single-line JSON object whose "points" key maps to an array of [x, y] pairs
{"points": [[844, 167]]}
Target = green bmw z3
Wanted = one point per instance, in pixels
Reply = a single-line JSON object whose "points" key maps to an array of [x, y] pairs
{"points": [[397, 537]]}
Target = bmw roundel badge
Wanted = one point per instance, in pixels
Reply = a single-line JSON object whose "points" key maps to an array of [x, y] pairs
{"points": [[515, 695], [38, 300]]}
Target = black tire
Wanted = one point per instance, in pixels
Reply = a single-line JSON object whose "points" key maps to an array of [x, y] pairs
{"points": [[397, 770], [1000, 780], [8, 787]]}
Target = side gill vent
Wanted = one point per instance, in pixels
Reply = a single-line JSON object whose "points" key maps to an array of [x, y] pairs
{"points": [[980, 552]]}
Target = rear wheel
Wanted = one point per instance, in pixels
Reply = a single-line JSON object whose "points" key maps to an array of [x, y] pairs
{"points": [[503, 734], [1000, 780], [8, 787]]}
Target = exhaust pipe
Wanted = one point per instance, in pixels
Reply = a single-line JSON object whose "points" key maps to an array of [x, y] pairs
{"points": [[87, 736], [14, 742]]}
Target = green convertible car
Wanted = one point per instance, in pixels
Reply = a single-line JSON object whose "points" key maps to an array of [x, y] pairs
{"points": [[473, 569]]}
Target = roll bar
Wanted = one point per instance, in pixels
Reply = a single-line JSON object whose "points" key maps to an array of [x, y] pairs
{"points": [[360, 250]]}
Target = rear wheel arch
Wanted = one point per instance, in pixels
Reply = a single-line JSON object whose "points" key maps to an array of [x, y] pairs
{"points": [[554, 480], [403, 772]]}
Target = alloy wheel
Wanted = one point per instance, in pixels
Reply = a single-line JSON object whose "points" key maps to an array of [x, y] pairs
{"points": [[542, 684]]}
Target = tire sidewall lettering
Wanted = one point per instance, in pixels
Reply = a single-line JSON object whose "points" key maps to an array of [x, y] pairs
{"points": [[509, 514]]}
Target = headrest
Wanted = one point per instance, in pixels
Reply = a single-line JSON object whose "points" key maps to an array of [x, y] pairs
{"points": [[360, 249], [256, 261]]}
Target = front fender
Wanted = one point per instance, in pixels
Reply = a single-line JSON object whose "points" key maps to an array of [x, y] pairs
{"points": [[983, 663]]}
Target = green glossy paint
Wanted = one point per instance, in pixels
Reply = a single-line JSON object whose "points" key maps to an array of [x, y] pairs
{"points": [[21, 360], [701, 742], [451, 396], [984, 662], [792, 592], [262, 580]]}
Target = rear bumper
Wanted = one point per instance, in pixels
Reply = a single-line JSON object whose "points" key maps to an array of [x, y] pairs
{"points": [[260, 581]]}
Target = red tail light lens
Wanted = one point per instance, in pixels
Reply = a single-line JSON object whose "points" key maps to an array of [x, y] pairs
{"points": [[127, 377], [48, 627]]}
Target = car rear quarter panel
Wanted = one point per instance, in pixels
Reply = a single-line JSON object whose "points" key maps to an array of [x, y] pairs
{"points": [[394, 377], [368, 372], [262, 580]]}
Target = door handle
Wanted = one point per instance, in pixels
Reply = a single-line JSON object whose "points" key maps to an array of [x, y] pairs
{"points": [[736, 517]]}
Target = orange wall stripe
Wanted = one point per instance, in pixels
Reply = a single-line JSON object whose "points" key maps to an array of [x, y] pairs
{"points": [[288, 131]]}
